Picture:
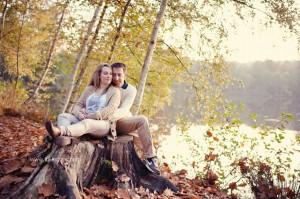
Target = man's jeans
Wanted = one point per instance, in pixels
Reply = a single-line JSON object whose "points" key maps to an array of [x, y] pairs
{"points": [[72, 126], [140, 123]]}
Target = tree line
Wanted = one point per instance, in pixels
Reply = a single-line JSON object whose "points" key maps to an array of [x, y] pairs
{"points": [[49, 48]]}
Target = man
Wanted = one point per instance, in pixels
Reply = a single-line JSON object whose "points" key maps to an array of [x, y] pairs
{"points": [[126, 123]]}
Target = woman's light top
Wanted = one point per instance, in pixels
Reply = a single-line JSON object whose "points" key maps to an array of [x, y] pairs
{"points": [[95, 102]]}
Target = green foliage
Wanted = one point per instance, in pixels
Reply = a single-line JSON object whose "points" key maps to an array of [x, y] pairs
{"points": [[183, 124], [203, 23], [220, 148], [266, 183], [107, 163], [34, 36], [11, 97]]}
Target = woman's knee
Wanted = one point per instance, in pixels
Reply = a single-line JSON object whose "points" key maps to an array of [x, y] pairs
{"points": [[66, 119], [87, 123], [96, 127], [65, 116]]}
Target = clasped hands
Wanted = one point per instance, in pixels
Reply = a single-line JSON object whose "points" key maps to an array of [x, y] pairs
{"points": [[84, 115]]}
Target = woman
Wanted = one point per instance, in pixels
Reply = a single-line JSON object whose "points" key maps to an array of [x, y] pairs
{"points": [[91, 113]]}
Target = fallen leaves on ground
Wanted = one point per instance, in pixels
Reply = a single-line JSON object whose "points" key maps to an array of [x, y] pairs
{"points": [[19, 136], [188, 189], [8, 179]]}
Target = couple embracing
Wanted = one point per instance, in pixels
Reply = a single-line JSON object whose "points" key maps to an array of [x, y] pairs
{"points": [[104, 109]]}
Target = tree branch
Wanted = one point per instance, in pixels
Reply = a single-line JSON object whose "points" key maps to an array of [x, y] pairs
{"points": [[252, 7]]}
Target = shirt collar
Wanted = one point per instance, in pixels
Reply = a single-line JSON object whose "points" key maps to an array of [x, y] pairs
{"points": [[125, 85]]}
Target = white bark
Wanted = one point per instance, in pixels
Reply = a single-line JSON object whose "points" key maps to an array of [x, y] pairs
{"points": [[19, 46], [119, 28], [80, 55], [85, 60], [3, 19], [49, 58], [148, 58]]}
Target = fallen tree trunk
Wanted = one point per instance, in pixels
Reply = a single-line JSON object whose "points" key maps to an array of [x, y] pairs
{"points": [[65, 170]]}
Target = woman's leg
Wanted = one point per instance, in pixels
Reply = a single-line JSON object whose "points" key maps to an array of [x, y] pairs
{"points": [[98, 128], [66, 119]]}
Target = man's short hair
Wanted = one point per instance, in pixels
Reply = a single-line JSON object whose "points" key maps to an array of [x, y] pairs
{"points": [[119, 65]]}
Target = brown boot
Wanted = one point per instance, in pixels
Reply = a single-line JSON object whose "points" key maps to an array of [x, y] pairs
{"points": [[52, 130]]}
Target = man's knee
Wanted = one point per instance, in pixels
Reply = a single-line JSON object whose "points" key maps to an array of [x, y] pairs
{"points": [[142, 120]]}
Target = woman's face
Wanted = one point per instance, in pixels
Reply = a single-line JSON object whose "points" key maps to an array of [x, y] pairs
{"points": [[106, 76]]}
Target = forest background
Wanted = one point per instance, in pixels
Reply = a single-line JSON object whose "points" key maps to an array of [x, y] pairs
{"points": [[49, 49]]}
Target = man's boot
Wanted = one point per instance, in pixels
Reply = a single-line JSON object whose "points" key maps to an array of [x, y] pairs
{"points": [[152, 165]]}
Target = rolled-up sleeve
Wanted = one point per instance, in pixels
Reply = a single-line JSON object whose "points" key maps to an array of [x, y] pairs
{"points": [[126, 104], [107, 112], [80, 103]]}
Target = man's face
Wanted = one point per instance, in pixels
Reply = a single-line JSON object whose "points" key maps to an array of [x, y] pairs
{"points": [[118, 76]]}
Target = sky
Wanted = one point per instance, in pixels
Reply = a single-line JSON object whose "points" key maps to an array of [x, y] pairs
{"points": [[250, 41]]}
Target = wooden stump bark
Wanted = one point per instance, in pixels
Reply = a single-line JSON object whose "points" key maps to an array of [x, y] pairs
{"points": [[65, 170]]}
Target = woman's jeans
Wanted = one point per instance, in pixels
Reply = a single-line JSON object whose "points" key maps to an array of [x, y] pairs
{"points": [[70, 125]]}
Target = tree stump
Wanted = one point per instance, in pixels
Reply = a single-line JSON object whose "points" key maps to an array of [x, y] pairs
{"points": [[65, 170]]}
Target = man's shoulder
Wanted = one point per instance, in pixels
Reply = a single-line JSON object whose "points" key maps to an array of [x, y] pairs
{"points": [[131, 87]]}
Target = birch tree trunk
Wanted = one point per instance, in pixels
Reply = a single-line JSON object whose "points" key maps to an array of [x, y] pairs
{"points": [[3, 19], [19, 47], [80, 55], [118, 32], [86, 58], [148, 58], [49, 58], [18, 52]]}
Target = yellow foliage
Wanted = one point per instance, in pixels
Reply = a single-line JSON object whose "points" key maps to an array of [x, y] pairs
{"points": [[11, 97]]}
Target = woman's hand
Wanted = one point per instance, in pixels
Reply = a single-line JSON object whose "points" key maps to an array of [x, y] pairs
{"points": [[83, 110], [94, 116], [82, 114]]}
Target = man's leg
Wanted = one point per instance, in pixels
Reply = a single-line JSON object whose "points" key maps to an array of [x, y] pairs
{"points": [[141, 124]]}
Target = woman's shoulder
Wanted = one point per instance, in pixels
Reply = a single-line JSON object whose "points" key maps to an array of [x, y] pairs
{"points": [[90, 88], [131, 89]]}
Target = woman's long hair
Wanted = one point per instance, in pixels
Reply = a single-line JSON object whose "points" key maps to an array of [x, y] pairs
{"points": [[96, 81]]}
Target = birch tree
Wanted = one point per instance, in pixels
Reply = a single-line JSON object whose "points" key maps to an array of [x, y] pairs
{"points": [[19, 44], [3, 18], [148, 58], [119, 28], [80, 55], [49, 57], [90, 49]]}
